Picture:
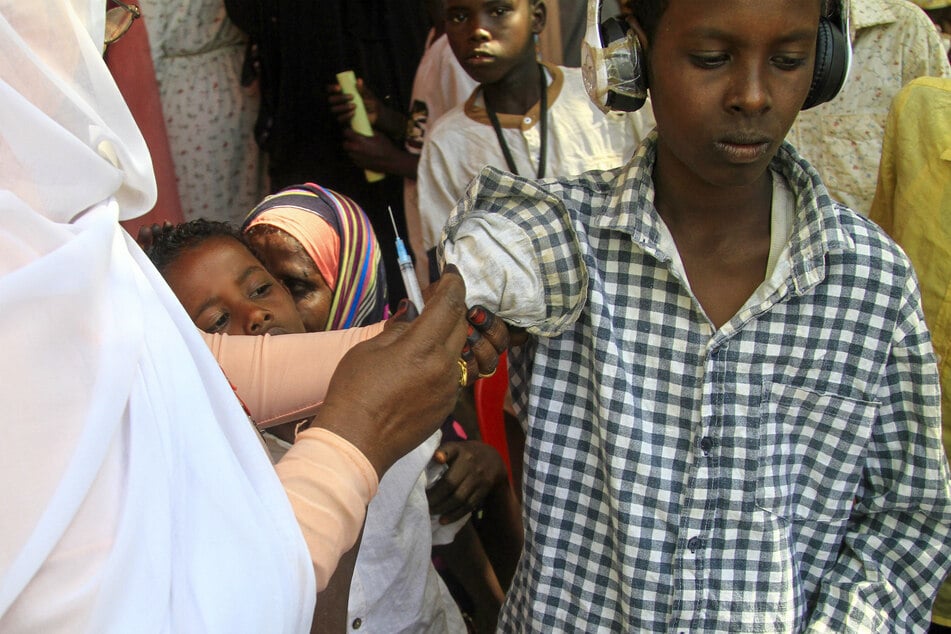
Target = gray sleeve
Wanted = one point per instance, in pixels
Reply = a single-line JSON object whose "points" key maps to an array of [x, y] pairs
{"points": [[515, 245]]}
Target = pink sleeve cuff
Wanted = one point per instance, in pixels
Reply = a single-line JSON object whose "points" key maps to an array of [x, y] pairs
{"points": [[329, 483]]}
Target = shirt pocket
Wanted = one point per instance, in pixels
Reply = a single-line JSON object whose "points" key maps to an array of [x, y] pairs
{"points": [[811, 450]]}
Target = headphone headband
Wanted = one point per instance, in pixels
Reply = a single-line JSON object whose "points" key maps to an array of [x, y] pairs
{"points": [[615, 74]]}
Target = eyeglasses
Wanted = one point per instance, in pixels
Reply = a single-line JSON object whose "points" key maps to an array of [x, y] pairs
{"points": [[119, 19]]}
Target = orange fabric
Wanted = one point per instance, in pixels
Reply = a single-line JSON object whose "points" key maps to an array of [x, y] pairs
{"points": [[285, 378], [329, 483], [315, 234]]}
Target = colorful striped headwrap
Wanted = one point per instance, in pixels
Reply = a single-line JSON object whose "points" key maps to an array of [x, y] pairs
{"points": [[337, 235]]}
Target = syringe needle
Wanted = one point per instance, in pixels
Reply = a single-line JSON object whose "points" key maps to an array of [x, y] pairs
{"points": [[396, 231], [407, 272]]}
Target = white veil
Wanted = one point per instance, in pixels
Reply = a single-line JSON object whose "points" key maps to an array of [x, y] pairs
{"points": [[135, 495]]}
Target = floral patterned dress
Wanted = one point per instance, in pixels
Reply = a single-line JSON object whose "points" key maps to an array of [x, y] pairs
{"points": [[198, 54]]}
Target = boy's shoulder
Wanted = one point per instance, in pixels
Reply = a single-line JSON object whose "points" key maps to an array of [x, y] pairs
{"points": [[871, 245], [452, 123], [826, 226]]}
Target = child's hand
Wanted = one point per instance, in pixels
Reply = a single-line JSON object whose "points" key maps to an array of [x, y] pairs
{"points": [[148, 233], [475, 468]]}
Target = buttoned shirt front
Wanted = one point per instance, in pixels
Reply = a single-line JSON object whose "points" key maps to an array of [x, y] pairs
{"points": [[782, 473]]}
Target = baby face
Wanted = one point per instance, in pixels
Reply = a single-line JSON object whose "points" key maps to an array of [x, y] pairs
{"points": [[225, 289]]}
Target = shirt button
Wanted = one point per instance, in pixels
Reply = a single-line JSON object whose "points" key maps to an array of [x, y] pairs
{"points": [[693, 544], [527, 120], [357, 623], [706, 444]]}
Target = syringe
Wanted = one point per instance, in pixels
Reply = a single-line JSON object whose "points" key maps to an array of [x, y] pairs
{"points": [[413, 292]]}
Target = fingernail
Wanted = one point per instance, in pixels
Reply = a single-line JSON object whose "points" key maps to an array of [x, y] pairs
{"points": [[473, 336], [402, 307], [451, 268], [405, 311], [477, 316]]}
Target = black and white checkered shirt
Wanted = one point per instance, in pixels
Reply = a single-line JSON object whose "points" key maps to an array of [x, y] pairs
{"points": [[781, 474]]}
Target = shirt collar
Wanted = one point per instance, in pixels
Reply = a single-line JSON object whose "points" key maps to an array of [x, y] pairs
{"points": [[869, 13], [817, 230], [474, 106]]}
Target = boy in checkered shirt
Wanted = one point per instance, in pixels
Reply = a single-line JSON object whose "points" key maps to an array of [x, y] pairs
{"points": [[730, 398]]}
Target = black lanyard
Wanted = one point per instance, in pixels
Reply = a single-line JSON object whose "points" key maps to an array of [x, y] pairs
{"points": [[543, 150]]}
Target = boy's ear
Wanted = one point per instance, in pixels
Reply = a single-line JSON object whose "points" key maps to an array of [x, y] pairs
{"points": [[539, 16]]}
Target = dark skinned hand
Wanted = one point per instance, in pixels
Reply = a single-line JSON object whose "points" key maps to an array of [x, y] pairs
{"points": [[342, 106], [475, 468], [148, 233], [377, 152], [390, 393], [486, 338]]}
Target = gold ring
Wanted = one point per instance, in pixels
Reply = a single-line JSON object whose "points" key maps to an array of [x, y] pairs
{"points": [[488, 374], [464, 378]]}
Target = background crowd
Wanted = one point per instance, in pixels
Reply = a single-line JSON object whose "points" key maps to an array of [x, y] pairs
{"points": [[264, 221]]}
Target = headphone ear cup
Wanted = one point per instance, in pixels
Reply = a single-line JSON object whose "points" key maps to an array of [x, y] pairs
{"points": [[832, 64], [612, 30]]}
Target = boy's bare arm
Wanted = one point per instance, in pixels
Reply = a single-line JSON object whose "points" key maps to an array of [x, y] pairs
{"points": [[331, 614], [467, 561]]}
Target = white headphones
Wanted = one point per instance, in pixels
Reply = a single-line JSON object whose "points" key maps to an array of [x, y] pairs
{"points": [[614, 74]]}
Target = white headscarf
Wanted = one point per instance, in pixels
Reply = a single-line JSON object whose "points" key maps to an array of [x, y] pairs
{"points": [[135, 496]]}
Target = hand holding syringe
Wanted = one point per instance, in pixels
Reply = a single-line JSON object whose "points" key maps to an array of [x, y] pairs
{"points": [[407, 271]]}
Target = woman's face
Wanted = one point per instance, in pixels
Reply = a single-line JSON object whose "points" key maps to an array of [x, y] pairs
{"points": [[287, 260]]}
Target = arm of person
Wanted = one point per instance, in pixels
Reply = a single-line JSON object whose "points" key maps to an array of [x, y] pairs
{"points": [[922, 53], [333, 469], [467, 561], [895, 551], [440, 182], [478, 480], [266, 371], [333, 603], [379, 153]]}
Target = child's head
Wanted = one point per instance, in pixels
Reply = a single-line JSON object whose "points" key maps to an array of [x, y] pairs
{"points": [[727, 80], [648, 12], [490, 38], [321, 246], [223, 287]]}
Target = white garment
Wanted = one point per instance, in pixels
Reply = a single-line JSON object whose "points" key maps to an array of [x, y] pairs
{"points": [[395, 587], [440, 84], [580, 138], [136, 495]]}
